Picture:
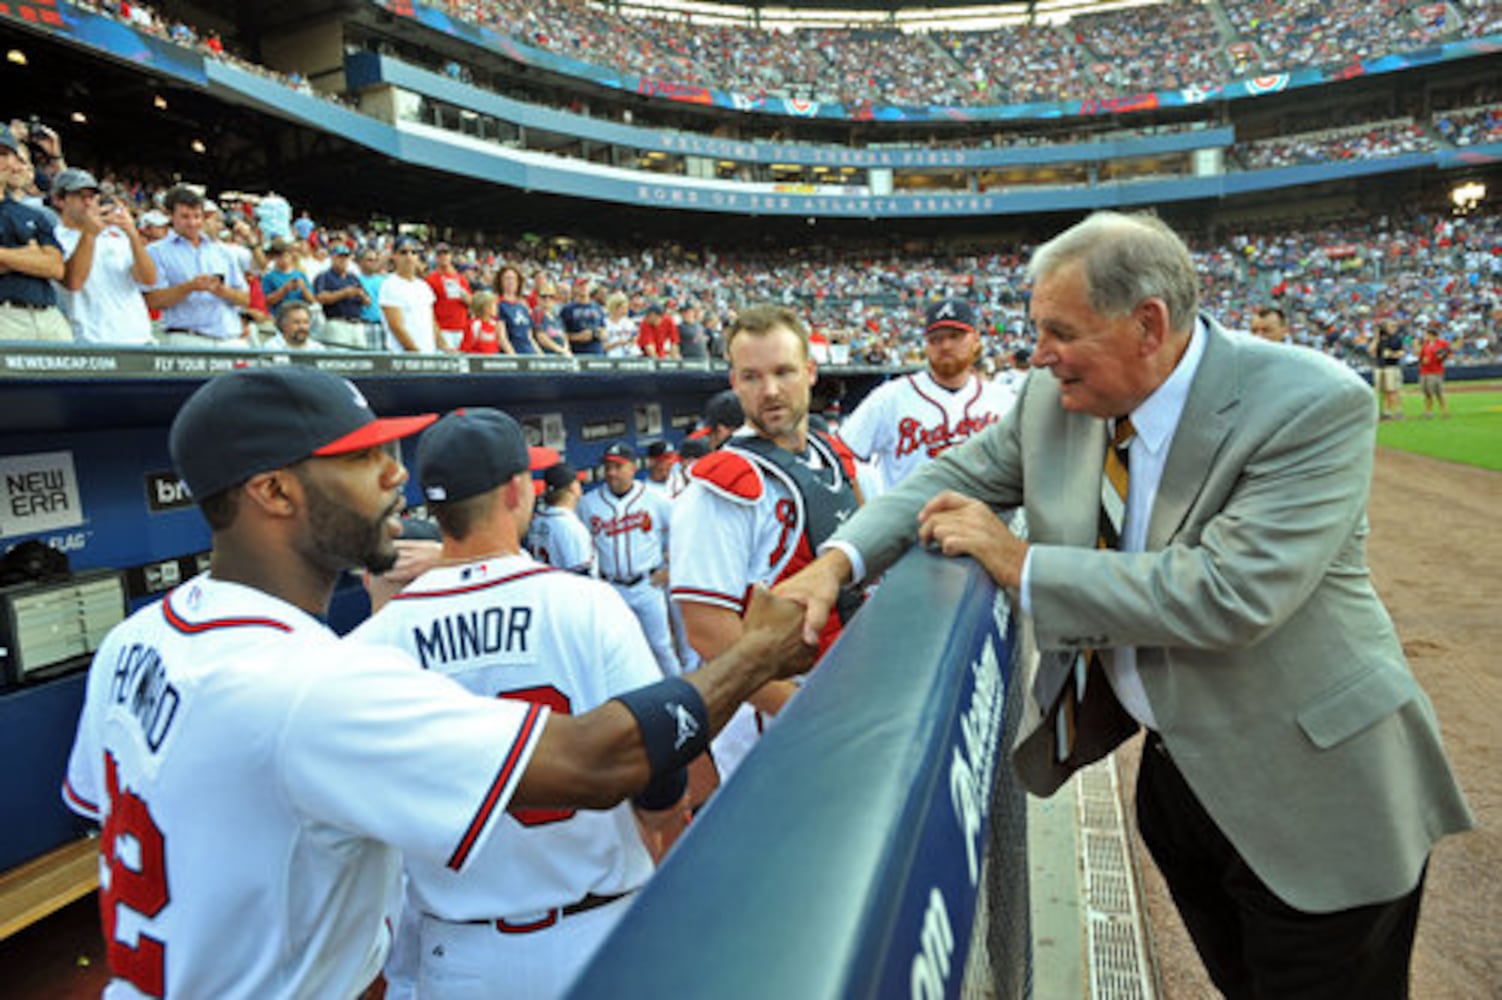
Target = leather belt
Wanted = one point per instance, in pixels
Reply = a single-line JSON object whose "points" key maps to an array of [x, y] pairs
{"points": [[17, 304], [589, 902], [632, 581], [193, 333]]}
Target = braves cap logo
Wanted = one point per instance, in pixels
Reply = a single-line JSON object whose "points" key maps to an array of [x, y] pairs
{"points": [[688, 726], [945, 311], [355, 392]]}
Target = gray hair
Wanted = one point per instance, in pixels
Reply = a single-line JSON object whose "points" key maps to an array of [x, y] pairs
{"points": [[1125, 260], [286, 309]]}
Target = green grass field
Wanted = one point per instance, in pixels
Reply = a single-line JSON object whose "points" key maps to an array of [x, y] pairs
{"points": [[1472, 435]]}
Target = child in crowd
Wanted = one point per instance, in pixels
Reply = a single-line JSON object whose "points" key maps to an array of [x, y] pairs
{"points": [[483, 335]]}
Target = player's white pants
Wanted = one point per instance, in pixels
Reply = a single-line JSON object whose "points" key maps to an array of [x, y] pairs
{"points": [[401, 963], [737, 739], [689, 659], [478, 962], [651, 606]]}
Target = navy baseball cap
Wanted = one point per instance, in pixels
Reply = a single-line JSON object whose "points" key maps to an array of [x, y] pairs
{"points": [[660, 449], [251, 421], [556, 477], [472, 451], [956, 313], [694, 448], [724, 410], [620, 452]]}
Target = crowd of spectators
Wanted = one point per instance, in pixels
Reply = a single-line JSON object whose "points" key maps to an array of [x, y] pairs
{"points": [[1361, 143], [370, 287], [206, 43], [1131, 44], [1470, 127], [1177, 44], [1026, 64], [1291, 34]]}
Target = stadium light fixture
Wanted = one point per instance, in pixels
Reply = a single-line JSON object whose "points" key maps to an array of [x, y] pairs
{"points": [[1467, 196], [198, 147], [16, 57], [159, 102], [79, 118]]}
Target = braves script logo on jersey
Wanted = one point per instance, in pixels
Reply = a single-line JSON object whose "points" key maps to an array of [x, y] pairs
{"points": [[641, 520], [911, 435]]}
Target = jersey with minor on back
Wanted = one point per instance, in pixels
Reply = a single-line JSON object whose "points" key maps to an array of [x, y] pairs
{"points": [[257, 785], [558, 538], [509, 627], [911, 420]]}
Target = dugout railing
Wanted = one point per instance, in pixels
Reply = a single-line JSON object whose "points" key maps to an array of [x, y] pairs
{"points": [[845, 856]]}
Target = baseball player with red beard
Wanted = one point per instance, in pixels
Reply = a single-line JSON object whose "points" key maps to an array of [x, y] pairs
{"points": [[549, 884], [913, 419], [757, 509], [258, 780], [628, 521]]}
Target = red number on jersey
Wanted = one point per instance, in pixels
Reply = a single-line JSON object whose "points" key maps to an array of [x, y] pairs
{"points": [[544, 694], [141, 887]]}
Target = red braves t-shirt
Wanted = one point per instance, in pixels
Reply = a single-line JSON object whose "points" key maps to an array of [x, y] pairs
{"points": [[449, 308], [1432, 355]]}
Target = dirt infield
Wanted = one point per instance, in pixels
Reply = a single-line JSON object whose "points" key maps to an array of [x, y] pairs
{"points": [[1436, 557]]}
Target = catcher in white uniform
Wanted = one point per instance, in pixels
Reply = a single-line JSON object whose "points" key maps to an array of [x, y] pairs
{"points": [[628, 521], [757, 509], [913, 419], [258, 782], [549, 884], [556, 535]]}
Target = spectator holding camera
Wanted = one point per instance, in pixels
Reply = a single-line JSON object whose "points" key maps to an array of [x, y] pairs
{"points": [[284, 281], [199, 288], [107, 266], [30, 258]]}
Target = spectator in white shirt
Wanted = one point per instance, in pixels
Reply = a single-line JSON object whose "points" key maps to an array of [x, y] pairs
{"points": [[107, 266], [407, 301]]}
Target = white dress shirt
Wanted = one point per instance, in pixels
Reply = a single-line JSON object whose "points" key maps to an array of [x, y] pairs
{"points": [[1155, 421]]}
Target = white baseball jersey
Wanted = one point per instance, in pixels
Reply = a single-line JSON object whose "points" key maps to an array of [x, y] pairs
{"points": [[733, 531], [258, 784], [511, 627], [558, 538], [630, 532], [630, 535], [911, 420]]}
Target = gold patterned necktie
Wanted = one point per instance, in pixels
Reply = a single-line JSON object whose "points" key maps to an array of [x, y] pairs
{"points": [[1114, 481]]}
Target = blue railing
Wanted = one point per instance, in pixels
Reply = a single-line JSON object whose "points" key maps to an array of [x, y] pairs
{"points": [[843, 858]]}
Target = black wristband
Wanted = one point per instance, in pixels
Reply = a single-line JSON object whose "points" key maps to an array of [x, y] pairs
{"points": [[673, 721], [664, 791]]}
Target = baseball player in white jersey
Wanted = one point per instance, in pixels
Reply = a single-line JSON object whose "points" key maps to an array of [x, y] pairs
{"points": [[628, 521], [548, 885], [758, 508], [257, 785], [556, 535], [912, 419]]}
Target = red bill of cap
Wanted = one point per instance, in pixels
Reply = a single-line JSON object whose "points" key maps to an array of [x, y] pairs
{"points": [[378, 432]]}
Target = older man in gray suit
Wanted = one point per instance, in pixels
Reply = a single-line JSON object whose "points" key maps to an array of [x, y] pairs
{"points": [[1293, 781]]}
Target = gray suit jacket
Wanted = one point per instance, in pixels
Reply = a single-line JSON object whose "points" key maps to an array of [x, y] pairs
{"points": [[1275, 675]]}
